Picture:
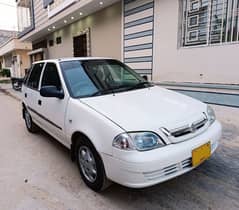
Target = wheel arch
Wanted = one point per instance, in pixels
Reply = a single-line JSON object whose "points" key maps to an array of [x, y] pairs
{"points": [[74, 138]]}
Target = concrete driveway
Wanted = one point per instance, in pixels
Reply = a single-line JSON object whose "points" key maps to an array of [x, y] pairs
{"points": [[36, 173]]}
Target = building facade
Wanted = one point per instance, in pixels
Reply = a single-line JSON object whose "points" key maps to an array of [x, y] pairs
{"points": [[13, 56], [72, 28], [197, 41], [5, 35], [192, 41], [191, 44]]}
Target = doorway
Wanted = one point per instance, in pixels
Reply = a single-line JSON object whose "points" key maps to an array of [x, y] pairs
{"points": [[80, 45]]}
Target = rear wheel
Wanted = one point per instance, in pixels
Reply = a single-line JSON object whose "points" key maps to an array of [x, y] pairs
{"points": [[91, 166], [31, 126]]}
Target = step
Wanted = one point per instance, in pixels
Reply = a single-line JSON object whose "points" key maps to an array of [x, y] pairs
{"points": [[226, 95]]}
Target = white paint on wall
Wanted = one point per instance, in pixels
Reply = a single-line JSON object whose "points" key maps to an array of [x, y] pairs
{"points": [[138, 53], [138, 41], [105, 34], [138, 28], [141, 65], [136, 3], [210, 64], [139, 15]]}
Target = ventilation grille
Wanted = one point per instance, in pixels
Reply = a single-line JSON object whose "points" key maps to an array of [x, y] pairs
{"points": [[169, 170], [195, 126]]}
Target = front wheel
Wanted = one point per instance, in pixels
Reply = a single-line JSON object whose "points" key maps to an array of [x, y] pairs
{"points": [[91, 166], [31, 126]]}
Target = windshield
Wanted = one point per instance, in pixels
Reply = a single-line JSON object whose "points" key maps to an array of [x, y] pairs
{"points": [[97, 77]]}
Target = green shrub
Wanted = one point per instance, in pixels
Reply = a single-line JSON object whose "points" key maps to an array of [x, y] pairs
{"points": [[6, 73]]}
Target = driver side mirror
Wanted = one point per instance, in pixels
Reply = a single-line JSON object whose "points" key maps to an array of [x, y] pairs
{"points": [[51, 92]]}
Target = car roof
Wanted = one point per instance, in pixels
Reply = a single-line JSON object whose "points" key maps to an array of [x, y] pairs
{"points": [[73, 59]]}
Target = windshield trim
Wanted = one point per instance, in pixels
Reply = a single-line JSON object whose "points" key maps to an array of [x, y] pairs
{"points": [[111, 91]]}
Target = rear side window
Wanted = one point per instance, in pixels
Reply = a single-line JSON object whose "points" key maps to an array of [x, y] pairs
{"points": [[34, 78], [51, 76]]}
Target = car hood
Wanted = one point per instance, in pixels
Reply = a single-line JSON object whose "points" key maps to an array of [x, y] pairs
{"points": [[147, 109]]}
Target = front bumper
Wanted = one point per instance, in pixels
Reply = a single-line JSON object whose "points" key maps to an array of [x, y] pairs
{"points": [[143, 169]]}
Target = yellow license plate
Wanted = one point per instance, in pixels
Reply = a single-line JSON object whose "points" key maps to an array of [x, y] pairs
{"points": [[201, 153]]}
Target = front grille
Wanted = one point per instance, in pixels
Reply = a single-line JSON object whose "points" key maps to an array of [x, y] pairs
{"points": [[195, 126], [169, 170]]}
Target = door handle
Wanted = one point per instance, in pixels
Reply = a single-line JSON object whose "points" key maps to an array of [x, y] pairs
{"points": [[39, 102], [25, 95]]}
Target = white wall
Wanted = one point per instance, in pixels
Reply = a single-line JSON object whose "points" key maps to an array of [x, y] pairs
{"points": [[105, 34], [217, 64], [14, 44]]}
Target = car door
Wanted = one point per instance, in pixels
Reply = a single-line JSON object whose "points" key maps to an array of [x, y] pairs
{"points": [[53, 110], [31, 91]]}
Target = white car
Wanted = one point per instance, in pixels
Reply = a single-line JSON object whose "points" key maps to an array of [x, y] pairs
{"points": [[118, 126]]}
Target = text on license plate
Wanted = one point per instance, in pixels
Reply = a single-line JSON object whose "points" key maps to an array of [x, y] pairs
{"points": [[201, 153]]}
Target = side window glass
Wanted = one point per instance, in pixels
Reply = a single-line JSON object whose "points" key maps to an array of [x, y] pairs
{"points": [[51, 76], [26, 76], [34, 78]]}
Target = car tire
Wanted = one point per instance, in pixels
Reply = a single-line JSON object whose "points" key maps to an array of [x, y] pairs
{"points": [[91, 166], [31, 126]]}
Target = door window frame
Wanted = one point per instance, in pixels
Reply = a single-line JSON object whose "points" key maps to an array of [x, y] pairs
{"points": [[27, 81], [59, 74]]}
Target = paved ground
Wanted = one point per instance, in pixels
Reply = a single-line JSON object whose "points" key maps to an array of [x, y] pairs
{"points": [[4, 78], [36, 173], [7, 88]]}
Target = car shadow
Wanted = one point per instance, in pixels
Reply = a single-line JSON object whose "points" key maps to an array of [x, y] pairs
{"points": [[55, 144]]}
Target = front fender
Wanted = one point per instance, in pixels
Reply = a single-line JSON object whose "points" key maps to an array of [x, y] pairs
{"points": [[99, 129]]}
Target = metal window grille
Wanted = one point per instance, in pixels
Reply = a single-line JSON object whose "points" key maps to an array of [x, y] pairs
{"points": [[207, 22]]}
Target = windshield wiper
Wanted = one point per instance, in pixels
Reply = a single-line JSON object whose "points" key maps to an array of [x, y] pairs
{"points": [[101, 92], [122, 88], [141, 85]]}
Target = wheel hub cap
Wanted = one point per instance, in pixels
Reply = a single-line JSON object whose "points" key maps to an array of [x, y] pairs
{"points": [[87, 163]]}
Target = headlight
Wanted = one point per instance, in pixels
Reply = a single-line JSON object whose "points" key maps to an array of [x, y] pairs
{"points": [[211, 114], [141, 141]]}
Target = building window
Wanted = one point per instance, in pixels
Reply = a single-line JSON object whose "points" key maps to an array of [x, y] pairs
{"points": [[58, 40], [47, 2], [193, 21], [207, 22], [193, 36], [51, 43], [56, 6], [25, 16], [40, 44], [194, 6]]}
